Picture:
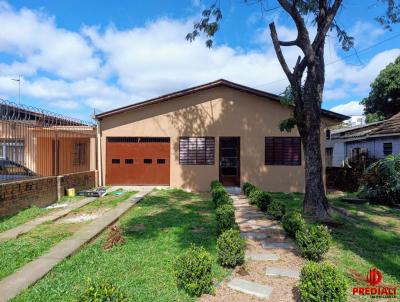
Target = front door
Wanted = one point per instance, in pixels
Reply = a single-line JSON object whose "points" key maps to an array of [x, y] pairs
{"points": [[229, 161]]}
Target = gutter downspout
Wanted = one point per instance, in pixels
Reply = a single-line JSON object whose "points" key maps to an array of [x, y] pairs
{"points": [[99, 161]]}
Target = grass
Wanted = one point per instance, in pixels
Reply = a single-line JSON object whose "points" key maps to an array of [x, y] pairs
{"points": [[156, 231], [17, 252], [109, 201], [370, 237], [12, 221]]}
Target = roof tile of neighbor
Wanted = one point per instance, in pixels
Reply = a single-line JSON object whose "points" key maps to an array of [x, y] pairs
{"points": [[390, 126], [221, 82]]}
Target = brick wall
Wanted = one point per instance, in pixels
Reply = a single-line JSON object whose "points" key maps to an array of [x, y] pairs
{"points": [[15, 196]]}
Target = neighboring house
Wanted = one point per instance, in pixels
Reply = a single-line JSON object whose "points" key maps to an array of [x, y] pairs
{"points": [[355, 120], [374, 140], [46, 144], [186, 139]]}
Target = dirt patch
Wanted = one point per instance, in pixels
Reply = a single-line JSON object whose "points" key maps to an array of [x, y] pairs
{"points": [[82, 217], [198, 230]]}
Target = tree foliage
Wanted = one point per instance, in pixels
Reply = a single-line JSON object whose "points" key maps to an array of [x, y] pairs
{"points": [[384, 99]]}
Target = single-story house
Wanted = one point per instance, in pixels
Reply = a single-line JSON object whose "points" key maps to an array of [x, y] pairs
{"points": [[219, 130], [374, 140]]}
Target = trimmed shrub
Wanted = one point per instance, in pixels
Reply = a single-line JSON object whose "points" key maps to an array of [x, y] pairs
{"points": [[247, 188], [276, 209], [193, 271], [102, 291], [322, 282], [313, 241], [231, 248], [225, 216], [292, 222], [215, 184], [220, 197], [260, 198]]}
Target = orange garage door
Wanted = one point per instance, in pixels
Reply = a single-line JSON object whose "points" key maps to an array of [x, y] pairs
{"points": [[137, 160]]}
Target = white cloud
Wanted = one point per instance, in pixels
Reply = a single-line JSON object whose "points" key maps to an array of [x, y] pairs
{"points": [[109, 67], [351, 108]]}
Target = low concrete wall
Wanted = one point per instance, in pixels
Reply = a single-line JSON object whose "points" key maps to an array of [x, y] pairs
{"points": [[18, 195]]}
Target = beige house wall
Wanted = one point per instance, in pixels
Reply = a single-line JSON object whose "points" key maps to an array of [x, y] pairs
{"points": [[216, 112]]}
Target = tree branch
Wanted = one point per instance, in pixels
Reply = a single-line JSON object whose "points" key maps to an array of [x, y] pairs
{"points": [[278, 51], [289, 43]]}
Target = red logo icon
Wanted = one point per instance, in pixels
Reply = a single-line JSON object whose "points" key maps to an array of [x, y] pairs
{"points": [[374, 277]]}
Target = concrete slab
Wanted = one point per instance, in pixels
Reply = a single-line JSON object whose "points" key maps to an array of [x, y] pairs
{"points": [[277, 245], [254, 235], [251, 288], [282, 272], [262, 256], [12, 285], [264, 227], [28, 226]]}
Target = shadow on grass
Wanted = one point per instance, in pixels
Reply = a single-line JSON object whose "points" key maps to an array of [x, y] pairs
{"points": [[184, 214]]}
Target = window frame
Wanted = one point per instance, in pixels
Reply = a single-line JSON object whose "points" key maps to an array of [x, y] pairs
{"points": [[79, 156], [208, 159], [385, 153], [282, 161]]}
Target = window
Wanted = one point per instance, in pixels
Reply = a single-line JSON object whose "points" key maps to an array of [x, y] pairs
{"points": [[79, 154], [196, 150], [129, 161], [12, 149], [387, 149], [147, 160], [285, 151], [328, 134], [161, 161], [115, 161]]}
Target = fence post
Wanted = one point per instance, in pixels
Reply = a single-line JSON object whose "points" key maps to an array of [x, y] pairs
{"points": [[60, 191]]}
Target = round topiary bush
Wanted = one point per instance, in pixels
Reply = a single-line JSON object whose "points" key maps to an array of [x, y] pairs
{"points": [[215, 184], [225, 216], [313, 241], [260, 198], [193, 271], [276, 209], [292, 222], [322, 282], [220, 197], [102, 291], [231, 248], [247, 188]]}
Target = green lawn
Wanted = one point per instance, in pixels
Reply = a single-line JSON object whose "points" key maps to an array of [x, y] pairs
{"points": [[17, 252], [10, 222], [156, 230], [370, 237]]}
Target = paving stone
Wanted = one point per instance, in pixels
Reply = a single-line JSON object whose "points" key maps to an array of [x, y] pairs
{"points": [[282, 272], [262, 256], [254, 235], [267, 227], [277, 245], [251, 288]]}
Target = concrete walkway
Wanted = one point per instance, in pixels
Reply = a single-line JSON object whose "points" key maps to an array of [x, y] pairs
{"points": [[28, 226], [29, 274], [272, 265]]}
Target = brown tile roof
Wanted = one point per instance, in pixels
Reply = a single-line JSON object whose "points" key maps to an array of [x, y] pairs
{"points": [[218, 83], [390, 126]]}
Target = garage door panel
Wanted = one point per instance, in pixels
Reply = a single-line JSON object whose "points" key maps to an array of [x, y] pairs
{"points": [[138, 163]]}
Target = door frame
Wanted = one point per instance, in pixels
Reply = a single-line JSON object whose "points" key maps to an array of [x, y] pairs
{"points": [[233, 181]]}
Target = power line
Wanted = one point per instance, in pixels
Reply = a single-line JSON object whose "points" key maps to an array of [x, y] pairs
{"points": [[341, 59]]}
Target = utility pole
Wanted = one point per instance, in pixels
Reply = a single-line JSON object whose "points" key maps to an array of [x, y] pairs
{"points": [[19, 88]]}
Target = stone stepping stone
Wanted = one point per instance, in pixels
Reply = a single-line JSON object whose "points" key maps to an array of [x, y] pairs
{"points": [[262, 256], [251, 288], [277, 245], [269, 227], [254, 235], [282, 272]]}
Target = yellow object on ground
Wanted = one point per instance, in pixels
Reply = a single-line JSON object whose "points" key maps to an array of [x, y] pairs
{"points": [[71, 192]]}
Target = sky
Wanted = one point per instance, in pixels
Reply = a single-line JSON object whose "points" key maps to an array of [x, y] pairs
{"points": [[75, 57]]}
